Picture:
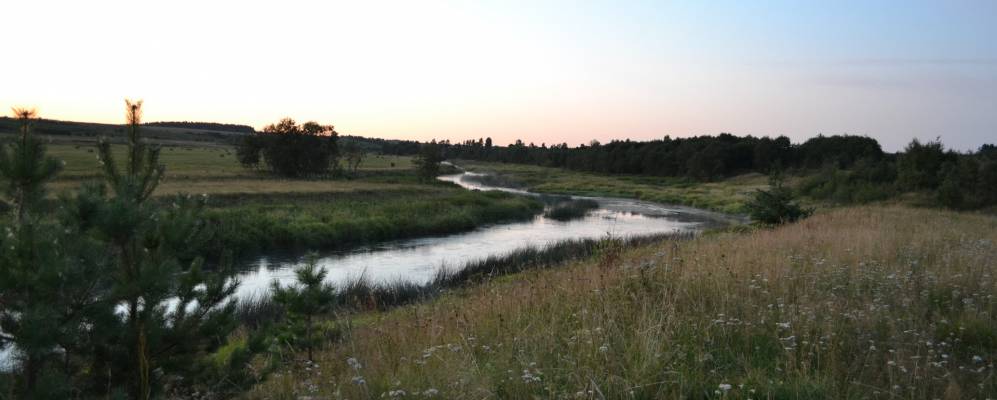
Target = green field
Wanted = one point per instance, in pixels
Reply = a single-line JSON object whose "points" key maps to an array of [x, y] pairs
{"points": [[256, 211], [192, 162], [726, 196], [339, 220]]}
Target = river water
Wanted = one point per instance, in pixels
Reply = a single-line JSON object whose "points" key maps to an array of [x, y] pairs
{"points": [[417, 260]]}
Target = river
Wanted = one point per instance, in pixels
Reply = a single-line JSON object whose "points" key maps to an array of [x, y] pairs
{"points": [[417, 260]]}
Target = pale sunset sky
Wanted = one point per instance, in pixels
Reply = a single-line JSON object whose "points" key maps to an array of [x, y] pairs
{"points": [[542, 71]]}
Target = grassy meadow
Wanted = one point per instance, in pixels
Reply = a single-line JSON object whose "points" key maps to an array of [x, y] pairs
{"points": [[192, 162], [361, 217], [727, 196], [861, 302], [864, 302], [256, 211]]}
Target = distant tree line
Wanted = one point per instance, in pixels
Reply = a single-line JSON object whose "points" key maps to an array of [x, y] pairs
{"points": [[208, 126], [88, 129], [66, 128], [700, 157], [839, 168]]}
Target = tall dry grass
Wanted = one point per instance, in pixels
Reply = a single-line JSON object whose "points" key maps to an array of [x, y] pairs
{"points": [[868, 302]]}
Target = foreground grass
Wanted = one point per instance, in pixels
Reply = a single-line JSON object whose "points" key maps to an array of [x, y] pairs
{"points": [[869, 302], [728, 196]]}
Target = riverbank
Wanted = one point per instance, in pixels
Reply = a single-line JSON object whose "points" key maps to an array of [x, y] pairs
{"points": [[851, 303], [342, 220], [256, 212], [727, 196]]}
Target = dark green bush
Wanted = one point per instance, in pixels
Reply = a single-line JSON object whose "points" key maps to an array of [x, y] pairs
{"points": [[777, 205]]}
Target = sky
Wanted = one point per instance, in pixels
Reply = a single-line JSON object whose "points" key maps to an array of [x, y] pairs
{"points": [[540, 71]]}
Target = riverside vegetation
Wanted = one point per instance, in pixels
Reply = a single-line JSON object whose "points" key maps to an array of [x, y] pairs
{"points": [[385, 199], [859, 302], [104, 288]]}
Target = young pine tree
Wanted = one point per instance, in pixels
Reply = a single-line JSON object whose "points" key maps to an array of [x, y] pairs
{"points": [[173, 310], [49, 276], [26, 168], [311, 298], [777, 205], [26, 321]]}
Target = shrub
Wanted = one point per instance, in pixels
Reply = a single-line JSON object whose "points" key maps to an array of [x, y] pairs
{"points": [[304, 302], [291, 150], [777, 205], [427, 164]]}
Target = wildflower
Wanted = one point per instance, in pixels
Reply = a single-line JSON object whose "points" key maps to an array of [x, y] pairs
{"points": [[977, 359], [725, 387], [782, 325], [603, 348], [430, 392], [353, 363]]}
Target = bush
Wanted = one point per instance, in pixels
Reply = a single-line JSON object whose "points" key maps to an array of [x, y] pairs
{"points": [[867, 181], [777, 205], [427, 163], [291, 150]]}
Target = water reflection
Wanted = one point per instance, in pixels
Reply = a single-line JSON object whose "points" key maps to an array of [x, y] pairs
{"points": [[417, 260]]}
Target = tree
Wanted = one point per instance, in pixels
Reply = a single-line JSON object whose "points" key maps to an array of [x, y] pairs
{"points": [[354, 154], [28, 263], [776, 205], [249, 150], [949, 192], [291, 150], [919, 167], [25, 167], [987, 182], [51, 275], [173, 310], [427, 164], [303, 303]]}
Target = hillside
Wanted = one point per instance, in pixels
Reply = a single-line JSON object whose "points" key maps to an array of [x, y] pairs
{"points": [[71, 131]]}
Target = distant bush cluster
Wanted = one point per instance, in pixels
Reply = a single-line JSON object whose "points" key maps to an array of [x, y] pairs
{"points": [[947, 178], [291, 150]]}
